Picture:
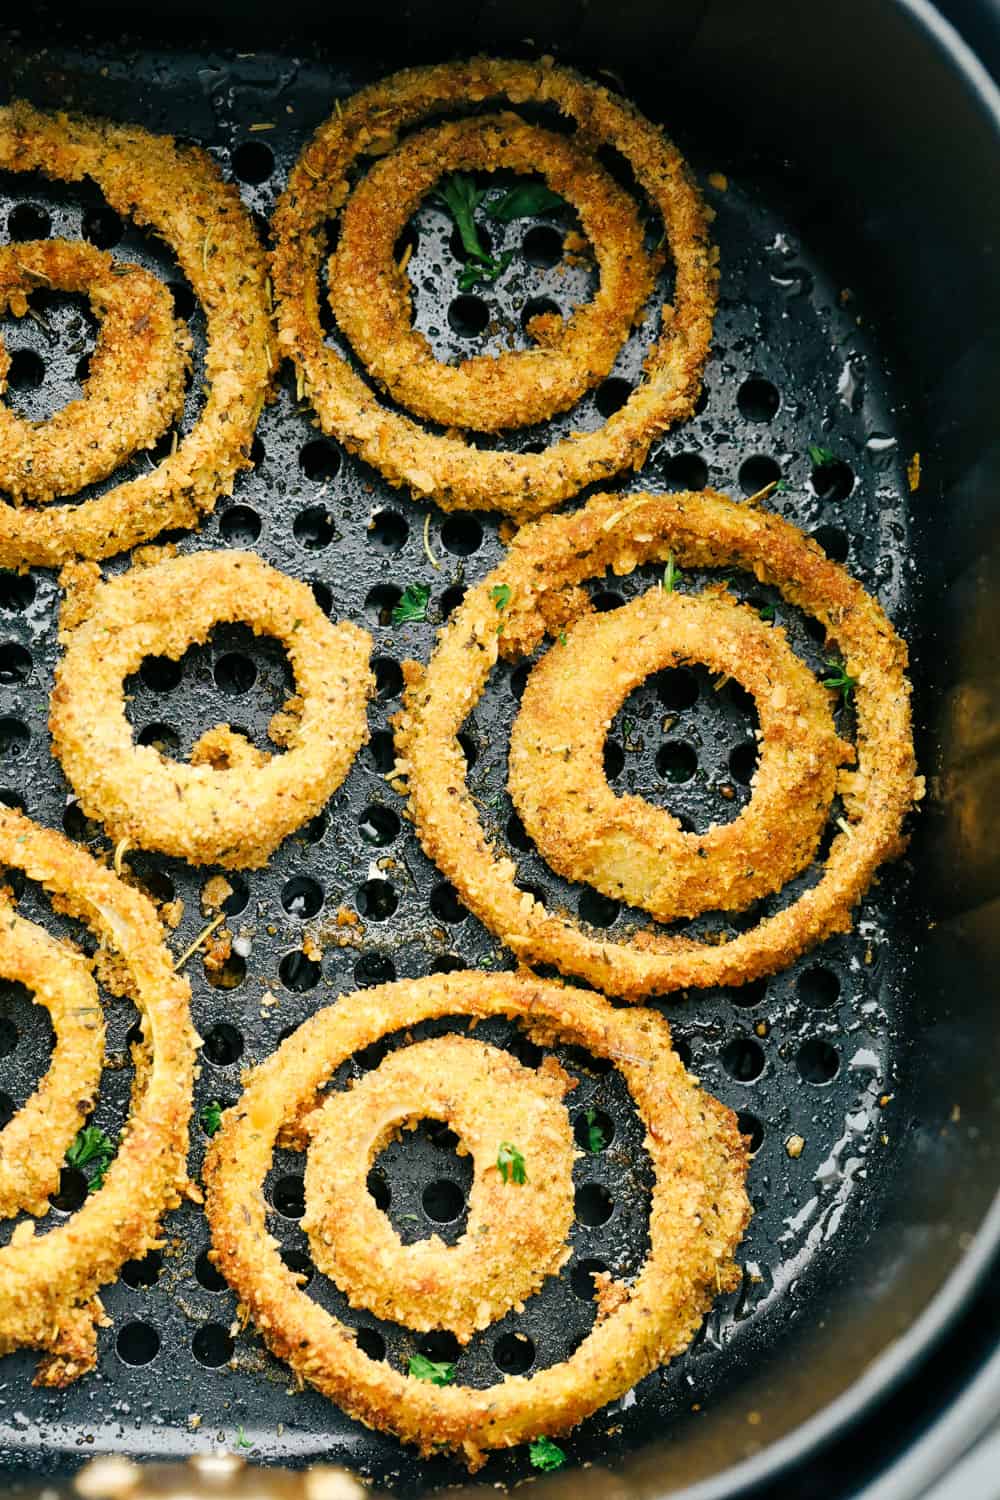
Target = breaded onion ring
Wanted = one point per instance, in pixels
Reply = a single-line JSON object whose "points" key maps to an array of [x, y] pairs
{"points": [[539, 579], [34, 1141], [49, 1283], [135, 385], [628, 848], [698, 1212], [514, 1238], [222, 810], [179, 193], [458, 475], [370, 295]]}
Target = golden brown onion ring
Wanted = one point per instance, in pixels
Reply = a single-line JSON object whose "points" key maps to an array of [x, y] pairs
{"points": [[49, 1283], [698, 1212], [179, 193], [221, 810], [370, 296], [34, 1141], [542, 572], [515, 1237], [458, 475], [628, 848], [135, 385]]}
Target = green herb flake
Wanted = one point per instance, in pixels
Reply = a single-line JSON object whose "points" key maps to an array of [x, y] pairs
{"points": [[596, 1140], [500, 594], [768, 612], [524, 200], [413, 605], [781, 488], [562, 637], [433, 1371], [475, 272], [545, 1454], [510, 1164], [840, 680], [211, 1117], [460, 197], [671, 573], [92, 1145], [820, 457], [241, 1440]]}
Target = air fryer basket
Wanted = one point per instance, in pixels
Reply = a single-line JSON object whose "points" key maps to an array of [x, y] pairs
{"points": [[859, 312]]}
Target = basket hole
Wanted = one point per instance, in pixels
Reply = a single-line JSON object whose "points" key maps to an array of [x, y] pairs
{"points": [[313, 528], [207, 1275], [447, 963], [594, 1130], [185, 301], [611, 395], [676, 762], [374, 968], [26, 371], [833, 541], [28, 222], [7, 1110], [676, 688], [519, 679], [682, 1047], [614, 759], [161, 674], [461, 535], [302, 896], [17, 592], [212, 1345], [379, 1190], [380, 752], [686, 471], [300, 1265], [757, 472], [388, 677], [443, 1201], [517, 835], [289, 1196], [14, 737], [15, 663], [752, 993], [750, 1126], [582, 1278], [380, 603], [377, 900], [743, 762], [469, 749], [513, 1353], [235, 674], [818, 987], [253, 162], [137, 1344], [13, 799], [758, 400], [598, 910], [409, 240], [388, 531], [743, 1059], [459, 251], [371, 1342], [8, 1036], [445, 903], [102, 226], [223, 1044], [833, 481], [468, 316], [539, 307], [378, 825], [440, 1345], [228, 975], [606, 600], [594, 1204], [298, 972], [817, 1061], [450, 600], [240, 526], [73, 1189], [320, 460], [542, 246], [78, 826], [144, 1272], [313, 831], [160, 737]]}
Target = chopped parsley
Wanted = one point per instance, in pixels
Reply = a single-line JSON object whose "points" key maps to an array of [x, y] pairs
{"points": [[435, 1372], [500, 594], [510, 1164], [768, 612], [596, 1140], [211, 1117], [821, 456], [545, 1454], [840, 680], [459, 195], [524, 200], [781, 487], [92, 1145], [671, 573], [413, 605], [241, 1440]]}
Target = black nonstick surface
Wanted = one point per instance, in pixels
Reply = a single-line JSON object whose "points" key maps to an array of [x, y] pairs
{"points": [[822, 1052]]}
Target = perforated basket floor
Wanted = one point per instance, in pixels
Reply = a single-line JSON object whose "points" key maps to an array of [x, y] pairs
{"points": [[814, 1053]]}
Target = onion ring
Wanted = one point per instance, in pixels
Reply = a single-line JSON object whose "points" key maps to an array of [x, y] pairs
{"points": [[49, 1282], [234, 815], [135, 385], [540, 578], [628, 848], [179, 192], [370, 296], [698, 1212], [456, 474], [34, 1141], [513, 1240]]}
